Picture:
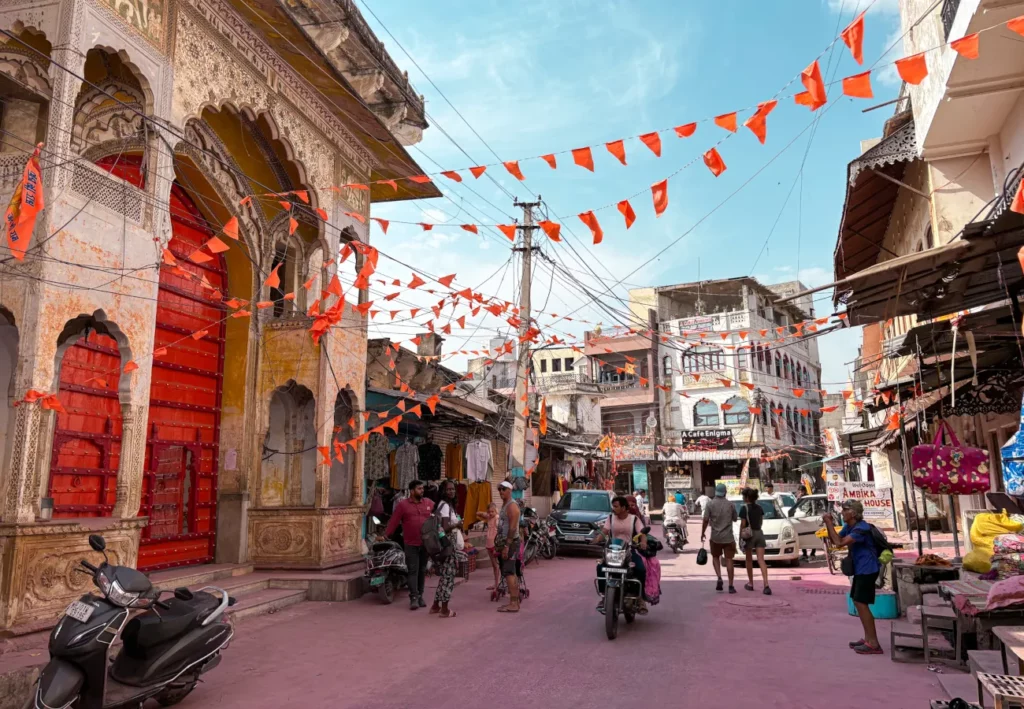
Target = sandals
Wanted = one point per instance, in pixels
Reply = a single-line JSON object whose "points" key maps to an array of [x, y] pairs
{"points": [[748, 586], [450, 614], [508, 609]]}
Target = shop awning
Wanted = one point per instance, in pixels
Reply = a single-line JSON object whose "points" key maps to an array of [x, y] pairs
{"points": [[680, 455]]}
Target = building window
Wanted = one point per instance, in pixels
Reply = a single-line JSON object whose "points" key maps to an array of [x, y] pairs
{"points": [[786, 367], [703, 359], [738, 411], [705, 413], [543, 366], [556, 365], [778, 366], [764, 414], [666, 365], [568, 364]]}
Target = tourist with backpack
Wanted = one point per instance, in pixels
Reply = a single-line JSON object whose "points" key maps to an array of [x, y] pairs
{"points": [[411, 513], [861, 563]]}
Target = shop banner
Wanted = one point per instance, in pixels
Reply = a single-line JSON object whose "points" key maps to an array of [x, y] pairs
{"points": [[883, 474], [700, 322], [877, 503], [634, 448], [640, 477], [733, 486], [706, 439]]}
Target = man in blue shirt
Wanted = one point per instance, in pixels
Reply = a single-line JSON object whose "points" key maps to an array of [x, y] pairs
{"points": [[856, 537]]}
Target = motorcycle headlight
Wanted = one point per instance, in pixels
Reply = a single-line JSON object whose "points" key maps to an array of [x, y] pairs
{"points": [[115, 594], [788, 534], [615, 556]]}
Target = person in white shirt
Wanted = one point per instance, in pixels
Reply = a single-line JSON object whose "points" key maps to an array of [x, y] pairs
{"points": [[675, 513], [641, 503], [701, 503]]}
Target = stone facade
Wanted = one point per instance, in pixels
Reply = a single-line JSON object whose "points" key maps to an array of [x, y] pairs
{"points": [[189, 113]]}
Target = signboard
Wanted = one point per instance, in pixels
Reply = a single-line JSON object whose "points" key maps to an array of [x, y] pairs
{"points": [[634, 448], [700, 322], [883, 473], [706, 439], [679, 482], [733, 485], [640, 476], [833, 446], [877, 503]]}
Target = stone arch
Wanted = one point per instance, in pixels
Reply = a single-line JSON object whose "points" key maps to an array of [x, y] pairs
{"points": [[25, 86], [111, 102], [289, 458], [78, 329], [342, 481]]}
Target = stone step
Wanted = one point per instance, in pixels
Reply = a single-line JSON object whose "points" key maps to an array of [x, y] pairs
{"points": [[266, 601], [190, 576]]}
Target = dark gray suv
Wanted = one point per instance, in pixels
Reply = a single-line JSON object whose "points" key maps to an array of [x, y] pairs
{"points": [[579, 515]]}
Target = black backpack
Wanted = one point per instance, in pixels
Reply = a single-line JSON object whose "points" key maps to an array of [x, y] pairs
{"points": [[880, 541], [436, 542]]}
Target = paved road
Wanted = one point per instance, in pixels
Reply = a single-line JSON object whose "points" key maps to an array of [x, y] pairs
{"points": [[697, 647]]}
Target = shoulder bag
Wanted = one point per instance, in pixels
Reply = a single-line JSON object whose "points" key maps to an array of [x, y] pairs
{"points": [[949, 469], [747, 532]]}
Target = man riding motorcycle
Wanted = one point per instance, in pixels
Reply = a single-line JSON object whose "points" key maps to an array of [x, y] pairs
{"points": [[674, 522], [625, 526]]}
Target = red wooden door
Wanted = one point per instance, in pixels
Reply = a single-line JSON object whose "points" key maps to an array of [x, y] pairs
{"points": [[87, 439], [180, 489]]}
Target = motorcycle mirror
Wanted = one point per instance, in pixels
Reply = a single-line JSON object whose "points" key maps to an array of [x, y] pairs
{"points": [[97, 542], [375, 520]]}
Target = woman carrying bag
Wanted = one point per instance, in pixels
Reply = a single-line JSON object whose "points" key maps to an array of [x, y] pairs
{"points": [[752, 538]]}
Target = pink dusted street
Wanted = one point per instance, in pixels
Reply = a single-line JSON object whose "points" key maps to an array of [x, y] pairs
{"points": [[696, 647]]}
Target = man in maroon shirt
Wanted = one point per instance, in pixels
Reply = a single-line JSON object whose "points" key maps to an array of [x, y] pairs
{"points": [[411, 513]]}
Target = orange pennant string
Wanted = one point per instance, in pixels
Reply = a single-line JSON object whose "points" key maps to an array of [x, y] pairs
{"points": [[508, 230], [168, 258], [815, 85], [478, 170], [913, 69], [384, 223], [858, 86], [471, 228], [286, 206], [513, 168], [627, 211], [550, 160], [292, 225], [853, 37], [446, 281], [160, 352], [452, 175], [552, 229], [590, 220], [426, 227], [584, 158], [652, 141], [685, 131], [322, 213], [198, 256], [659, 192], [230, 228], [420, 179], [199, 335], [130, 367], [966, 47], [325, 453], [714, 162], [215, 245], [274, 279], [727, 121], [618, 149], [758, 123], [264, 304]]}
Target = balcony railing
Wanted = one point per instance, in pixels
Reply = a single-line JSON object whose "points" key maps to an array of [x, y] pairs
{"points": [[620, 383], [559, 380], [949, 8]]}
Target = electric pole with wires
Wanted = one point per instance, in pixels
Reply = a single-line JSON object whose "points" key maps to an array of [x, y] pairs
{"points": [[521, 402]]}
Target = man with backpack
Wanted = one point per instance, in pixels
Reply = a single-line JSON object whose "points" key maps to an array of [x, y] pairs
{"points": [[862, 564], [411, 513]]}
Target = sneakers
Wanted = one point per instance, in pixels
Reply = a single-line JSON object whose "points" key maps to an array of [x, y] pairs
{"points": [[732, 589], [421, 603], [720, 586], [767, 591], [748, 586], [855, 643], [865, 649]]}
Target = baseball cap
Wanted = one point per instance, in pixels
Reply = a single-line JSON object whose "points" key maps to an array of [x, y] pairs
{"points": [[720, 490], [855, 506], [505, 484]]}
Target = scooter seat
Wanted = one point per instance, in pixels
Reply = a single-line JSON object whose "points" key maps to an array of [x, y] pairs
{"points": [[149, 630], [379, 547]]}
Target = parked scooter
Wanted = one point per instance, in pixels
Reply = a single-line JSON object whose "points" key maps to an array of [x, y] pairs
{"points": [[622, 593], [549, 539], [165, 648], [386, 570], [675, 536]]}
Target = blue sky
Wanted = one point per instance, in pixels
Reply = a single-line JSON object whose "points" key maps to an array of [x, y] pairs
{"points": [[539, 77]]}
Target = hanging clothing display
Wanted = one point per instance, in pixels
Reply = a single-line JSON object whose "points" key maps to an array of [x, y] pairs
{"points": [[479, 460], [376, 464], [429, 467], [453, 459], [407, 461], [393, 467], [478, 497]]}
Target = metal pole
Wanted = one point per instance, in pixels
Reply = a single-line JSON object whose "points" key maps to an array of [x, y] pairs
{"points": [[956, 537], [521, 422], [905, 459]]}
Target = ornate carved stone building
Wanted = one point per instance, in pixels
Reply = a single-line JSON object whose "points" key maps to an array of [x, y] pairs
{"points": [[160, 118]]}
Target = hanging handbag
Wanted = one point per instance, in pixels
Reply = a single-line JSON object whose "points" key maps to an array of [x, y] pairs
{"points": [[949, 469], [702, 557], [747, 532]]}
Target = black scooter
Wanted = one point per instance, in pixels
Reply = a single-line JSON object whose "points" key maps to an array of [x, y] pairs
{"points": [[165, 649]]}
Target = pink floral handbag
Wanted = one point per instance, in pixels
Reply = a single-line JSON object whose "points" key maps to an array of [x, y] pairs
{"points": [[949, 470]]}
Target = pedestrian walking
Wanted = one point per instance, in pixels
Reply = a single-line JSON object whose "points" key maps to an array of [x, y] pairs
{"points": [[491, 517], [451, 523], [719, 514], [411, 513], [641, 503], [701, 503], [856, 536], [769, 488], [752, 538], [506, 544]]}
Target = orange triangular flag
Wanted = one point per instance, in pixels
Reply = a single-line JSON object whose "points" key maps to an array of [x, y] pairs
{"points": [[685, 131], [543, 412], [758, 123], [384, 224], [1016, 206], [584, 158], [590, 220], [618, 149], [478, 170], [432, 402], [426, 227], [292, 225], [853, 37], [966, 47], [659, 191], [198, 256], [168, 258], [1016, 25], [471, 228], [325, 452], [912, 69], [231, 228], [508, 230], [420, 179], [334, 286], [798, 393], [452, 175], [550, 160], [858, 86], [513, 167], [714, 162], [322, 213], [416, 281], [215, 245], [812, 81], [130, 367], [199, 335], [627, 211], [274, 279], [552, 229], [652, 141], [727, 121], [446, 281]]}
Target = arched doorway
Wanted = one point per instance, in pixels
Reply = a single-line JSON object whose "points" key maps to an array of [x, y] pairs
{"points": [[183, 435]]}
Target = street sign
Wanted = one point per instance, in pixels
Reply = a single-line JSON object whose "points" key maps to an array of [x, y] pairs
{"points": [[877, 503]]}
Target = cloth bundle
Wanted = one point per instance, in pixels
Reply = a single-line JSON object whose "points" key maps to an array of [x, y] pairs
{"points": [[1008, 544]]}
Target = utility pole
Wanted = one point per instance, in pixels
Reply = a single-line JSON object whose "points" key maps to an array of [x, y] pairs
{"points": [[522, 422]]}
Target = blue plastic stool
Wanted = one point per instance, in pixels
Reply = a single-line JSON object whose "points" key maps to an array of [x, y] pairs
{"points": [[883, 608]]}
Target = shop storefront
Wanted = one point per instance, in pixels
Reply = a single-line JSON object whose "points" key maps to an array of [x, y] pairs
{"points": [[702, 457]]}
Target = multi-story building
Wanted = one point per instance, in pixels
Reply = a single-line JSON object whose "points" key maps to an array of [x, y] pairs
{"points": [[725, 347], [563, 378], [136, 406]]}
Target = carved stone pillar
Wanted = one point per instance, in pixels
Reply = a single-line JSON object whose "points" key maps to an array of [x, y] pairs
{"points": [[133, 452], [21, 498]]}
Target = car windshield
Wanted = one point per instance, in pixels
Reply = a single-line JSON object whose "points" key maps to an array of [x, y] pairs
{"points": [[586, 502], [787, 500], [771, 511]]}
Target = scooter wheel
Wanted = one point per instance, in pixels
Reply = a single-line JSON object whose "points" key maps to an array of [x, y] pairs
{"points": [[173, 695], [387, 592]]}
